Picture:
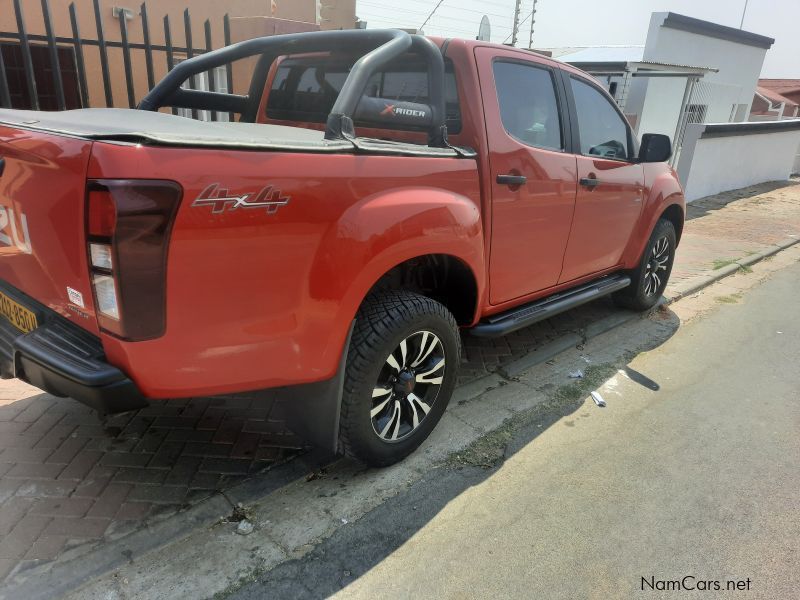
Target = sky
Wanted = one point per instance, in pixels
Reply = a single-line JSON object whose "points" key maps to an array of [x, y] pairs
{"points": [[595, 22]]}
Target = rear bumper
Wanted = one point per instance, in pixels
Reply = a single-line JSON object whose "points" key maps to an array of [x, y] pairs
{"points": [[64, 360]]}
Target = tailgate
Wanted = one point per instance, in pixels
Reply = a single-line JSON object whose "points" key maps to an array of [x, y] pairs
{"points": [[42, 232]]}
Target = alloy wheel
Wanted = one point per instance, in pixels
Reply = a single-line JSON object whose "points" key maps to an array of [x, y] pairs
{"points": [[407, 386], [656, 266]]}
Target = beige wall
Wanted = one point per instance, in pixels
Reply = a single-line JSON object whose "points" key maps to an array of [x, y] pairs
{"points": [[249, 18]]}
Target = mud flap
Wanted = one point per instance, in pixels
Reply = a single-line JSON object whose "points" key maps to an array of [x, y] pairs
{"points": [[312, 410]]}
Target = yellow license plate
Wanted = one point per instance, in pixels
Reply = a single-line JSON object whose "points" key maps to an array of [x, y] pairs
{"points": [[19, 316]]}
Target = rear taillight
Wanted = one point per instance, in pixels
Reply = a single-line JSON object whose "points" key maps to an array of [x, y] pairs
{"points": [[102, 213], [128, 227]]}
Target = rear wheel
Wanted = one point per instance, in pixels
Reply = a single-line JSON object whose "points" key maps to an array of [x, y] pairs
{"points": [[649, 279], [401, 371]]}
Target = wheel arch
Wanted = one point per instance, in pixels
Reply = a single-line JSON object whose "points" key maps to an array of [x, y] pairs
{"points": [[443, 277], [674, 214], [394, 238], [672, 208]]}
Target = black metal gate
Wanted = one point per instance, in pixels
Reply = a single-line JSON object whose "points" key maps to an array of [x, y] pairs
{"points": [[36, 66]]}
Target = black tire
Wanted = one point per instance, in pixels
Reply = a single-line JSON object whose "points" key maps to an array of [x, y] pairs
{"points": [[650, 278], [393, 327]]}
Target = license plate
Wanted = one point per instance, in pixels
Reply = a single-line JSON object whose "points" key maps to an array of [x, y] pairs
{"points": [[19, 316]]}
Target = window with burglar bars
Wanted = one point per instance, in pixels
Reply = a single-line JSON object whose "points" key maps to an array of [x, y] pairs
{"points": [[42, 68], [49, 72], [202, 84]]}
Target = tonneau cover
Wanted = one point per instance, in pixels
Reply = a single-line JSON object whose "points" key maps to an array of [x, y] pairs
{"points": [[154, 128]]}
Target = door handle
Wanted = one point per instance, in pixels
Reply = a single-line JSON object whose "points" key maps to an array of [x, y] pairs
{"points": [[589, 182], [512, 180]]}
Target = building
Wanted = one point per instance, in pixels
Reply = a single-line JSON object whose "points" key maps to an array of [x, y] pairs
{"points": [[176, 29], [688, 71], [776, 99], [769, 105], [788, 88]]}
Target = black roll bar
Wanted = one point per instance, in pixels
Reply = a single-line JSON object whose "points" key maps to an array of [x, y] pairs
{"points": [[380, 46]]}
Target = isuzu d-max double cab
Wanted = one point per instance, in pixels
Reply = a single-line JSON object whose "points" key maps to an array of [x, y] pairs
{"points": [[371, 194]]}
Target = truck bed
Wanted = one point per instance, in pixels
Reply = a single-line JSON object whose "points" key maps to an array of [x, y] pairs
{"points": [[159, 129]]}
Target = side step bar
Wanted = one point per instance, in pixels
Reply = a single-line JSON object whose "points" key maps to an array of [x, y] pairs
{"points": [[539, 310]]}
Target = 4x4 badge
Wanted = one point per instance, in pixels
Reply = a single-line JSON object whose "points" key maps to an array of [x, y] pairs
{"points": [[219, 200]]}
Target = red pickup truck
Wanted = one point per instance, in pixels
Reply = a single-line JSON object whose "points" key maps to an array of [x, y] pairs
{"points": [[376, 192]]}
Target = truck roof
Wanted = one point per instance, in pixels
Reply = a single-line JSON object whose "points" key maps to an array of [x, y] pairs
{"points": [[471, 44]]}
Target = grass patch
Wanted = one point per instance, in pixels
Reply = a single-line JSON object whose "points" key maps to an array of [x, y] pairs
{"points": [[732, 299], [745, 269], [490, 449], [722, 262]]}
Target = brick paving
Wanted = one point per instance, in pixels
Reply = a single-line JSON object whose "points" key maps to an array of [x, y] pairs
{"points": [[69, 482], [733, 225]]}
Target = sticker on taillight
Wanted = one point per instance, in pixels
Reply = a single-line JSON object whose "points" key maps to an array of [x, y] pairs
{"points": [[75, 297]]}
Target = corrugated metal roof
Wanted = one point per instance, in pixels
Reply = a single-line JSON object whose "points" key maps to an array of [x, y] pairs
{"points": [[619, 55], [646, 63], [603, 54]]}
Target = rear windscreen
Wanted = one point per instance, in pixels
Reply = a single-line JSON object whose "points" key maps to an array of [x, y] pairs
{"points": [[306, 92]]}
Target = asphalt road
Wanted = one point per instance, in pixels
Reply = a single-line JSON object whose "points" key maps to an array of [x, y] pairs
{"points": [[689, 475]]}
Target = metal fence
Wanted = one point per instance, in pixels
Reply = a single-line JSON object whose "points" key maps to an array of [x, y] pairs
{"points": [[54, 61]]}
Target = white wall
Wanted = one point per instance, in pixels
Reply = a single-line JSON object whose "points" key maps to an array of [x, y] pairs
{"points": [[739, 64], [662, 105], [710, 165]]}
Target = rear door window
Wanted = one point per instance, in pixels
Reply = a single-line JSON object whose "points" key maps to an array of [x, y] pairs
{"points": [[528, 104]]}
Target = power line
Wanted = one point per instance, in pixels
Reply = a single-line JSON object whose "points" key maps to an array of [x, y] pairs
{"points": [[439, 16], [439, 21], [428, 18], [501, 6], [431, 29], [520, 25]]}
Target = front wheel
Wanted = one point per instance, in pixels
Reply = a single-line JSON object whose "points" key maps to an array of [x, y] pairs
{"points": [[649, 279], [401, 371]]}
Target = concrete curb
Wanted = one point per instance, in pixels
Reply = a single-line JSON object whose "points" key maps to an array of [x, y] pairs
{"points": [[66, 575], [696, 284]]}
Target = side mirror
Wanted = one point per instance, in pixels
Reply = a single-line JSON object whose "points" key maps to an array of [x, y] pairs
{"points": [[655, 147]]}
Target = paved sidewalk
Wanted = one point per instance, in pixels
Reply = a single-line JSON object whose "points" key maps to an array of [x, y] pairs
{"points": [[731, 226], [69, 483]]}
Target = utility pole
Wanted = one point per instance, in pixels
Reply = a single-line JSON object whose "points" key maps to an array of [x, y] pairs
{"points": [[515, 29], [741, 24], [533, 20]]}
